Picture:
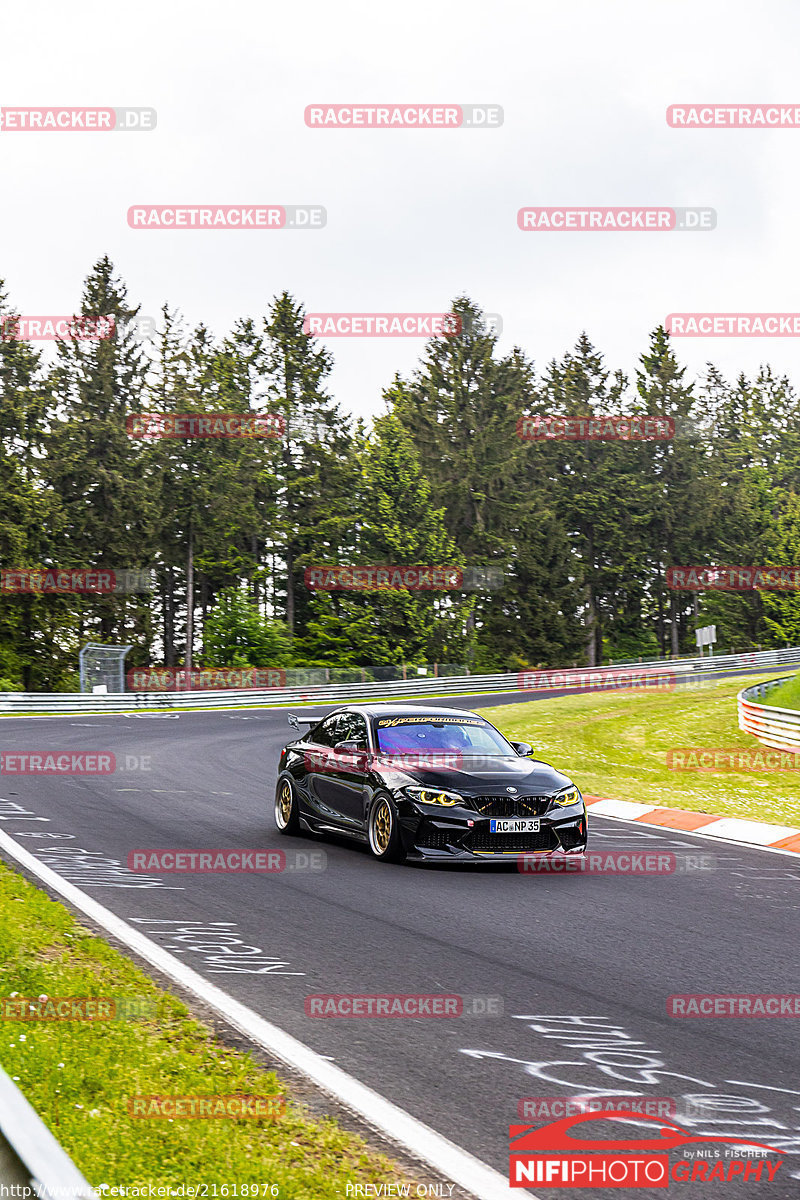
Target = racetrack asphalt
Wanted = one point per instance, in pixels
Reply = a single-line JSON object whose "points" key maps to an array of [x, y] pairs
{"points": [[582, 964]]}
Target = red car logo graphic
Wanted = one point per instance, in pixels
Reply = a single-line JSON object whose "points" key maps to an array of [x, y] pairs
{"points": [[555, 1136]]}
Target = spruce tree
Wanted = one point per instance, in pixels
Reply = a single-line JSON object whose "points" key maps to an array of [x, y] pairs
{"points": [[315, 464], [683, 493], [94, 467], [398, 526]]}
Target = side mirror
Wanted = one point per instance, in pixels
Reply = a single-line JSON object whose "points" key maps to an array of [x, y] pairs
{"points": [[522, 748], [347, 748], [355, 755]]}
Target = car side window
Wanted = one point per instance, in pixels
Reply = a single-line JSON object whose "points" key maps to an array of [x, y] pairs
{"points": [[354, 729], [326, 733]]}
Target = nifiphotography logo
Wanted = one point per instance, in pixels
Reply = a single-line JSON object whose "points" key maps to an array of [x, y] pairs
{"points": [[551, 1155]]}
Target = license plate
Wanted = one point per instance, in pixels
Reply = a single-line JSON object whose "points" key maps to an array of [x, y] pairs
{"points": [[514, 825]]}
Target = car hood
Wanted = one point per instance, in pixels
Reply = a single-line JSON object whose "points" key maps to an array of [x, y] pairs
{"points": [[480, 776]]}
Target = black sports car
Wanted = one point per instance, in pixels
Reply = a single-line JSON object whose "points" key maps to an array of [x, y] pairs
{"points": [[425, 783]]}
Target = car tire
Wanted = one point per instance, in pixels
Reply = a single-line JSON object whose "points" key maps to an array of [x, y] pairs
{"points": [[383, 831], [287, 816]]}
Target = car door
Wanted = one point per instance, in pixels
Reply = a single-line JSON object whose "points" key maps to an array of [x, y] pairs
{"points": [[342, 781], [319, 762]]}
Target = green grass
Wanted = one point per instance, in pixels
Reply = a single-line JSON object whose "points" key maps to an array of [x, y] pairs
{"points": [[79, 1075], [614, 744], [785, 696]]}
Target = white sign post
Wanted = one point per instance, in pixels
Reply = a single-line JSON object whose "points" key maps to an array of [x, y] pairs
{"points": [[706, 637]]}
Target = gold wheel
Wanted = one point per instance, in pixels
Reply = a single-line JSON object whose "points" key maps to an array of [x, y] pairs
{"points": [[381, 827], [285, 808], [285, 801]]}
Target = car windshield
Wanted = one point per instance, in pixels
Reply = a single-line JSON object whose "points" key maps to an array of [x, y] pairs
{"points": [[439, 735]]}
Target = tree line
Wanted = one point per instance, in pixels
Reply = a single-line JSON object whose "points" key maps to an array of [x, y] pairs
{"points": [[582, 533]]}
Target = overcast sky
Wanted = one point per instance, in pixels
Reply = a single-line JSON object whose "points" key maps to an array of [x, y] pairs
{"points": [[414, 217]]}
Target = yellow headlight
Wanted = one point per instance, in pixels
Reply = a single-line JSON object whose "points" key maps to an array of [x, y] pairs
{"points": [[428, 796], [570, 796], [438, 798]]}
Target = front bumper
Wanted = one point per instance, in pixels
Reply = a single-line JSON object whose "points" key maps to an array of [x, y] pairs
{"points": [[462, 834]]}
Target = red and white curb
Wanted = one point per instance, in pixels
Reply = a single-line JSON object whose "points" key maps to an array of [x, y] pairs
{"points": [[784, 838]]}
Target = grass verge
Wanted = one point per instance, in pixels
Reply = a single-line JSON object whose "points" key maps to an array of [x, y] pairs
{"points": [[615, 744], [785, 696], [79, 1075]]}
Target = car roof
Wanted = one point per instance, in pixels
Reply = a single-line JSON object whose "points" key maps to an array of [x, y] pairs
{"points": [[408, 710]]}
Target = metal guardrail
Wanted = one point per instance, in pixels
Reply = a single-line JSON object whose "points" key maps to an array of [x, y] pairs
{"points": [[29, 1154], [778, 728], [72, 702]]}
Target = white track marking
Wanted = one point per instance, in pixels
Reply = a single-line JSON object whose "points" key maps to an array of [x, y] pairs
{"points": [[757, 833], [621, 808]]}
